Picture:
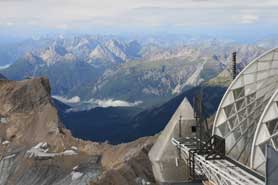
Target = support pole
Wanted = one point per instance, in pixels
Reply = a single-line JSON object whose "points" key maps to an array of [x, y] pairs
{"points": [[234, 65]]}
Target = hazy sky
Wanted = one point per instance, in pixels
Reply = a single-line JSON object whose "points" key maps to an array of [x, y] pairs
{"points": [[137, 15]]}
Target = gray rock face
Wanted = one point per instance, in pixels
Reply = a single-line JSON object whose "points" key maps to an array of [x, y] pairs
{"points": [[20, 171]]}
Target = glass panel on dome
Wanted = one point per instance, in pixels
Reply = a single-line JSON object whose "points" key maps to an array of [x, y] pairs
{"points": [[251, 131], [251, 108], [259, 101], [224, 129], [251, 98], [238, 93], [257, 112], [237, 133], [252, 118], [240, 104], [250, 122], [249, 78], [246, 152], [262, 75], [242, 115], [229, 110], [233, 122], [245, 141], [243, 126], [263, 66], [265, 104], [263, 147], [272, 126]]}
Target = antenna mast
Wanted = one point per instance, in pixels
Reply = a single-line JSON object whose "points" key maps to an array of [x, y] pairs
{"points": [[201, 121], [234, 65]]}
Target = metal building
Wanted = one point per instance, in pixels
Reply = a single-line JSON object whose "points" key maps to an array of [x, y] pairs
{"points": [[266, 134], [243, 104]]}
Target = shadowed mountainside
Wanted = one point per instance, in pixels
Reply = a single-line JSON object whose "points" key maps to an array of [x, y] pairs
{"points": [[129, 123], [2, 76]]}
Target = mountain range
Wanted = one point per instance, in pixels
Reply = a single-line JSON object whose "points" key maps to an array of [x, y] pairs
{"points": [[150, 71], [129, 86]]}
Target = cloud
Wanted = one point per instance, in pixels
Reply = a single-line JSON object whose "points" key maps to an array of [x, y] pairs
{"points": [[63, 26], [113, 103], [249, 19], [73, 100], [127, 14], [78, 105]]}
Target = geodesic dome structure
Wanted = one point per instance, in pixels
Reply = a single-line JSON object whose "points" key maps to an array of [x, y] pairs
{"points": [[243, 104], [266, 134]]}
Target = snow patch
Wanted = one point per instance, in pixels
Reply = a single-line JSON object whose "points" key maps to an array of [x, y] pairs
{"points": [[40, 151], [75, 168], [76, 175], [6, 142], [74, 148], [3, 120], [69, 152], [73, 100], [142, 181]]}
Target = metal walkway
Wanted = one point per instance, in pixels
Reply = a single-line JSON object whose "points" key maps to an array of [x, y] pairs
{"points": [[218, 172]]}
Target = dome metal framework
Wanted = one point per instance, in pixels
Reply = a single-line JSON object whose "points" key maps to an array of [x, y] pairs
{"points": [[239, 115], [266, 134]]}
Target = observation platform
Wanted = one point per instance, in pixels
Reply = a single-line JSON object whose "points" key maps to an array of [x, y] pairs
{"points": [[217, 171]]}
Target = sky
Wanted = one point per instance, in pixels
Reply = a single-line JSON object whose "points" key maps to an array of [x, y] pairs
{"points": [[245, 17]]}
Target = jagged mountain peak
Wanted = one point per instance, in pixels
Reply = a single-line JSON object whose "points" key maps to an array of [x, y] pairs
{"points": [[104, 54], [113, 42], [117, 48]]}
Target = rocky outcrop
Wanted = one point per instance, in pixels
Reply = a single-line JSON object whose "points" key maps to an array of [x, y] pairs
{"points": [[33, 137], [128, 164], [31, 117]]}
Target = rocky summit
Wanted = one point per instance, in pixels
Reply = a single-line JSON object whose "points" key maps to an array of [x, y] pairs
{"points": [[36, 149]]}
